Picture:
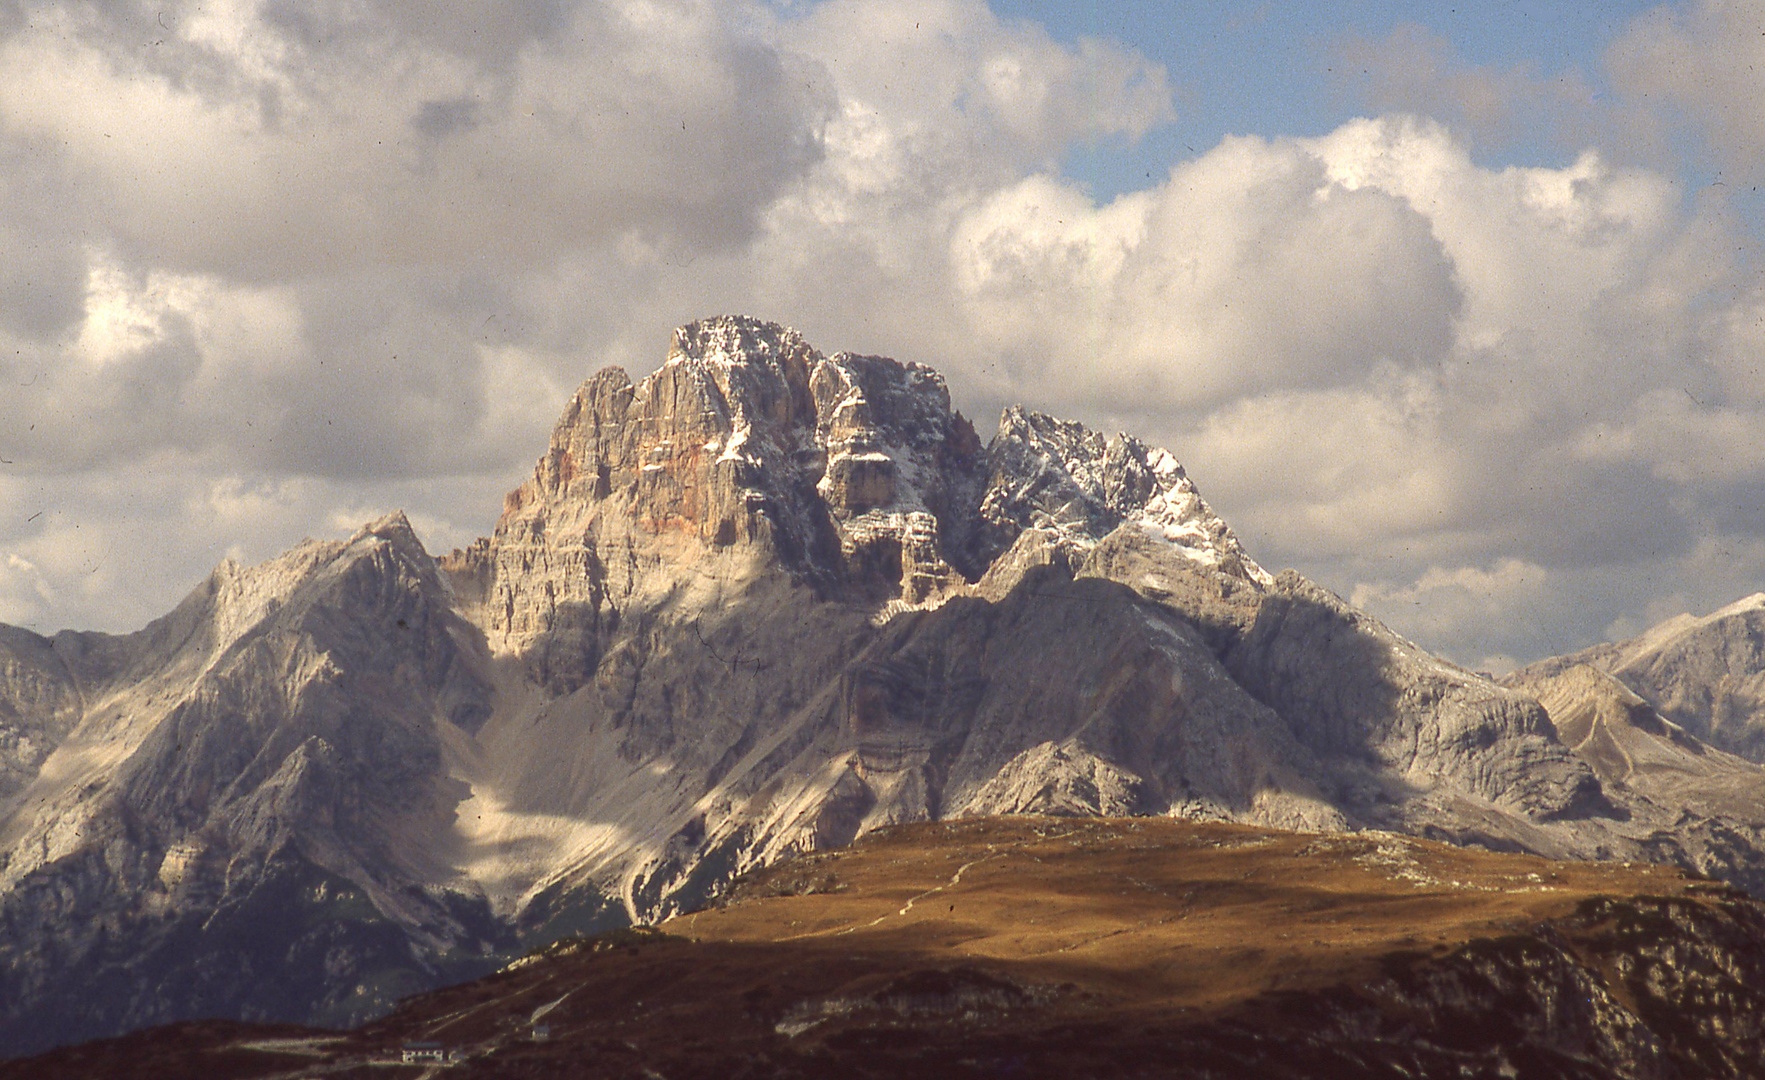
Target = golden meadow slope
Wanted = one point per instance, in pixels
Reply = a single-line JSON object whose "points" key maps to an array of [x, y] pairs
{"points": [[1049, 947]]}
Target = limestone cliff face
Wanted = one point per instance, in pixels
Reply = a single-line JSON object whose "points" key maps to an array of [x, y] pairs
{"points": [[223, 825], [1075, 487], [1705, 674], [1404, 727], [39, 701], [1704, 804], [747, 447], [758, 602]]}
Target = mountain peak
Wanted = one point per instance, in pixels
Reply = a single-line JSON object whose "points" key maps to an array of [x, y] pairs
{"points": [[393, 528], [1069, 481], [738, 339], [852, 473], [1699, 671], [1755, 602]]}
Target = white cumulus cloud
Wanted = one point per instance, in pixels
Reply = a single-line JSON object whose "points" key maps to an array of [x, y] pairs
{"points": [[274, 266]]}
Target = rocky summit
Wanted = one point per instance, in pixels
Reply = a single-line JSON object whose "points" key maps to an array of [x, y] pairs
{"points": [[762, 602]]}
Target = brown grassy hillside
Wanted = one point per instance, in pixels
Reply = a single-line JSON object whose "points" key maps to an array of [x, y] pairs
{"points": [[1040, 947]]}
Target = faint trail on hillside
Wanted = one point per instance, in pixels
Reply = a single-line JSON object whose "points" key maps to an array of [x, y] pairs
{"points": [[955, 879]]}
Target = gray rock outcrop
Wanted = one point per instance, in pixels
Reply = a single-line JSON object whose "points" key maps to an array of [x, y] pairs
{"points": [[1705, 674], [224, 825], [1704, 808]]}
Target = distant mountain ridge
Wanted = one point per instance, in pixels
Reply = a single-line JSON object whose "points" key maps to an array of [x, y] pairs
{"points": [[760, 602], [1706, 674]]}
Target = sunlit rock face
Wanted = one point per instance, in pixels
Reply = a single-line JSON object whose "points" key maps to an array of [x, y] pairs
{"points": [[749, 450], [229, 820], [760, 601], [1705, 674], [1077, 487]]}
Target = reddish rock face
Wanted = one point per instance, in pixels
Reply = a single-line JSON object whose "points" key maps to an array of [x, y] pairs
{"points": [[850, 472], [858, 483]]}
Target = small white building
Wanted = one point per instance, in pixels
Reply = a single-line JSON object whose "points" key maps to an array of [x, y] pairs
{"points": [[418, 1053]]}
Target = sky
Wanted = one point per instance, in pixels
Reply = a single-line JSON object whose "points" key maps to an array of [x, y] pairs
{"points": [[1458, 310]]}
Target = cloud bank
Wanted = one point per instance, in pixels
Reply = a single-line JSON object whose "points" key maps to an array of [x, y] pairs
{"points": [[273, 268]]}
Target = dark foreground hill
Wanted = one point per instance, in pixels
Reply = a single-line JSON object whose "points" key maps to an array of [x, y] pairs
{"points": [[1073, 948]]}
